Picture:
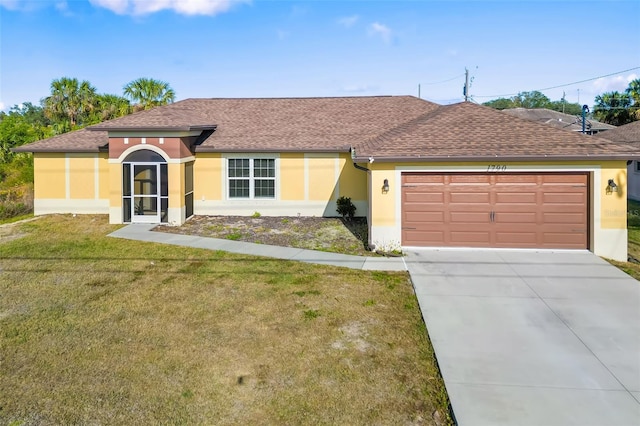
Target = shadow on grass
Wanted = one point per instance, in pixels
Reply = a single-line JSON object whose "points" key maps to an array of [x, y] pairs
{"points": [[357, 226]]}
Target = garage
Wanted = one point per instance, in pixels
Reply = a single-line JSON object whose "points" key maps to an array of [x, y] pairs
{"points": [[500, 210]]}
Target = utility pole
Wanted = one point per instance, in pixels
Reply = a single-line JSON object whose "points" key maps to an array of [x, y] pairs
{"points": [[465, 91]]}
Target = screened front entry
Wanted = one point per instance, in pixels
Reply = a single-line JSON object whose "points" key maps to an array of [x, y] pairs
{"points": [[145, 192]]}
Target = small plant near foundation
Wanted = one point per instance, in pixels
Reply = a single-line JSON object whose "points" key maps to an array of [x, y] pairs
{"points": [[389, 248], [346, 207], [256, 215]]}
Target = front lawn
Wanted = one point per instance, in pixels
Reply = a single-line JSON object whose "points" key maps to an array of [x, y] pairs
{"points": [[633, 246], [98, 330]]}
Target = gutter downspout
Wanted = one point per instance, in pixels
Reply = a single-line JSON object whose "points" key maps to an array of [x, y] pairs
{"points": [[364, 169]]}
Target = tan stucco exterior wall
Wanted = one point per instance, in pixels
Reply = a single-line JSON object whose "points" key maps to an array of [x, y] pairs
{"points": [[82, 175], [70, 183], [322, 169], [49, 176], [614, 204], [207, 175], [292, 182], [306, 183]]}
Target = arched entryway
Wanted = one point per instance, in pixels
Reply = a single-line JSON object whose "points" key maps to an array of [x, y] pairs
{"points": [[145, 189]]}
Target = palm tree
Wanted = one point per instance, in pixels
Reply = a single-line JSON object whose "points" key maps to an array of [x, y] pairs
{"points": [[111, 106], [613, 108], [148, 93], [634, 91], [70, 100]]}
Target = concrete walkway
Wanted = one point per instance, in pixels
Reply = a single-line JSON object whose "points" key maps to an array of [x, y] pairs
{"points": [[532, 338], [142, 232]]}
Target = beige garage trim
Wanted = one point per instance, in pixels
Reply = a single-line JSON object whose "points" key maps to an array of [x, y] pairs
{"points": [[506, 210]]}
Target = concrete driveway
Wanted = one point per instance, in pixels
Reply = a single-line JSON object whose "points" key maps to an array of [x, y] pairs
{"points": [[532, 338]]}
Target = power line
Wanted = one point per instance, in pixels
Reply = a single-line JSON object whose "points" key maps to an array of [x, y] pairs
{"points": [[561, 85], [443, 81]]}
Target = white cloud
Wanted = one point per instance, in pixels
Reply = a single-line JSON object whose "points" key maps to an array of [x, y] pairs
{"points": [[348, 21], [183, 7], [381, 30], [1, 106], [618, 83], [22, 5], [10, 4]]}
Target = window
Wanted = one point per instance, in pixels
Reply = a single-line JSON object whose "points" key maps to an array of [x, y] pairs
{"points": [[637, 166], [252, 178]]}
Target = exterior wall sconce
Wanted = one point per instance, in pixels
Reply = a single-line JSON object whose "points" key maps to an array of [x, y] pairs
{"points": [[385, 186], [611, 187]]}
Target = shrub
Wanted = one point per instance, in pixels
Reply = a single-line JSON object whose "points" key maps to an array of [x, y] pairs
{"points": [[16, 201], [346, 207]]}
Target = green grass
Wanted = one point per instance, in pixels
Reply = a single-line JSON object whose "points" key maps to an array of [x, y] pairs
{"points": [[98, 330], [633, 246]]}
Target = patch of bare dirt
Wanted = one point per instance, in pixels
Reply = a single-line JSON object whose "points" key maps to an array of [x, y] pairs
{"points": [[315, 233]]}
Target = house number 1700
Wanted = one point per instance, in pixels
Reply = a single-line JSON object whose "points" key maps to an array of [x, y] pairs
{"points": [[496, 168]]}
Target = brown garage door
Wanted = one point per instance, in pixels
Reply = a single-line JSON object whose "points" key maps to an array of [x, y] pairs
{"points": [[523, 210]]}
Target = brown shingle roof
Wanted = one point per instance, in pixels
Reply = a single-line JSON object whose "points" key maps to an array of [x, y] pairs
{"points": [[271, 124], [474, 132], [304, 123], [383, 127], [627, 133], [557, 119], [180, 116], [81, 140]]}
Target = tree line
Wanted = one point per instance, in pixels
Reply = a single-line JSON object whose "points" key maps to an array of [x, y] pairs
{"points": [[72, 105], [615, 108]]}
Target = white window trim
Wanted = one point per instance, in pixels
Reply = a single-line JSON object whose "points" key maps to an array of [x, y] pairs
{"points": [[251, 156]]}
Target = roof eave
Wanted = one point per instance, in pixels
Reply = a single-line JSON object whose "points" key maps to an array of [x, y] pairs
{"points": [[239, 150], [417, 158], [53, 150], [153, 128]]}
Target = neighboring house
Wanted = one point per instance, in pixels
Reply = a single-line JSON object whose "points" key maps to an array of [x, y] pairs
{"points": [[629, 134], [559, 120], [423, 174]]}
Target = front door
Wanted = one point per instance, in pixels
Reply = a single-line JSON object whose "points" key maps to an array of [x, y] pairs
{"points": [[146, 194]]}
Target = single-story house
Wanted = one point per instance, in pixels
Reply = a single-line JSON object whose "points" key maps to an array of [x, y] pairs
{"points": [[423, 174], [628, 134], [560, 120]]}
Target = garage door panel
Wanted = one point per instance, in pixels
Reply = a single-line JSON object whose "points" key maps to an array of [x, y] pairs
{"points": [[515, 217], [547, 210], [564, 179], [514, 179], [469, 197], [516, 238], [469, 217], [564, 218], [425, 197], [465, 179], [566, 239], [563, 198], [417, 238], [424, 217], [417, 178], [470, 237], [517, 197]]}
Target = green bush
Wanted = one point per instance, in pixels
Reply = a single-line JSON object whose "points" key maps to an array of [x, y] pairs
{"points": [[346, 207], [16, 201]]}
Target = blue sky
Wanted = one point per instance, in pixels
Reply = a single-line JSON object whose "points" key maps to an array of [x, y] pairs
{"points": [[268, 48]]}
